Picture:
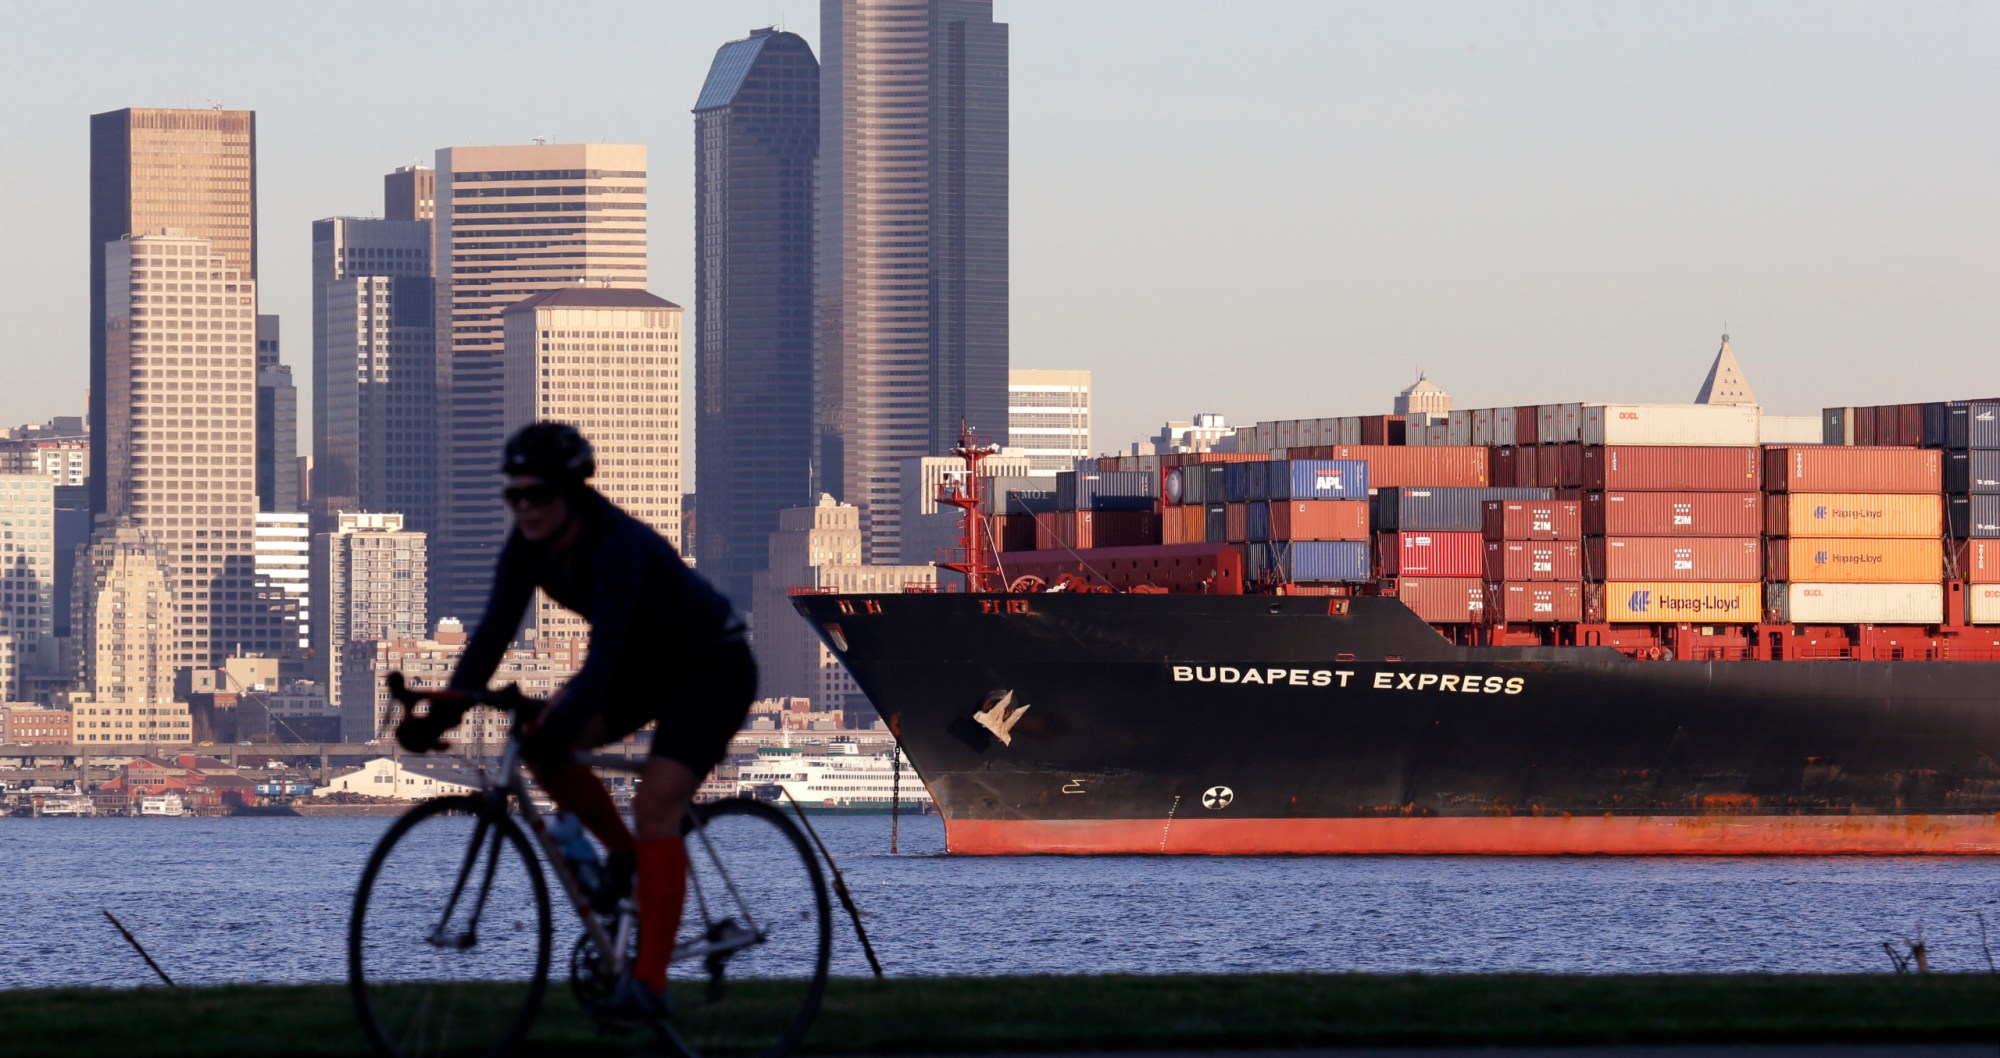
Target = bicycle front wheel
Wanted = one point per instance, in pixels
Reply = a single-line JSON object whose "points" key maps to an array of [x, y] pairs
{"points": [[749, 967], [448, 945]]}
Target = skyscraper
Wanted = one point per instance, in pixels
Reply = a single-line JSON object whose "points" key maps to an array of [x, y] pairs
{"points": [[511, 222], [124, 610], [912, 254], [756, 130], [277, 424], [193, 170], [410, 193], [1048, 418], [27, 579], [369, 582]]}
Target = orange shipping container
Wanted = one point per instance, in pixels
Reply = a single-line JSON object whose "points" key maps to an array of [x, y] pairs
{"points": [[1673, 513], [1979, 561], [1532, 519], [1444, 600], [1236, 523], [1825, 560], [1852, 469], [1395, 466], [1715, 559], [1534, 560], [1877, 515], [1319, 520], [1540, 603], [1183, 524]]}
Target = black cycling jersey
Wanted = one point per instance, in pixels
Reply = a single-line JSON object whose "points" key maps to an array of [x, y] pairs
{"points": [[641, 600]]}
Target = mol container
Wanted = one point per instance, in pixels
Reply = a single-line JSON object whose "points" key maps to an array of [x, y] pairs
{"points": [[1445, 509], [1856, 469], [1104, 490], [1319, 479], [1537, 603], [1430, 554], [1670, 424], [1834, 560], [1886, 604], [1973, 517], [1669, 602], [1694, 559], [1446, 600], [1531, 520], [1643, 468], [1321, 561], [1982, 604], [1395, 466], [1879, 515], [1529, 560], [1318, 520], [1976, 471], [1971, 424], [1673, 513]]}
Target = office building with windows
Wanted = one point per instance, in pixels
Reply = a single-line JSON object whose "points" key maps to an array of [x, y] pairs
{"points": [[1048, 418]]}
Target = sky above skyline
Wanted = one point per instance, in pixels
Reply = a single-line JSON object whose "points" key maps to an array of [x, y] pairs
{"points": [[1268, 210]]}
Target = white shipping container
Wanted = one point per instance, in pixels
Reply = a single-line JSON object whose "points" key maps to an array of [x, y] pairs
{"points": [[1546, 423], [1329, 432], [1982, 604], [1267, 436], [1458, 428], [1287, 434], [1790, 430], [1437, 435], [1413, 432], [1858, 603], [1569, 422], [1309, 434], [1482, 426], [1709, 425], [1246, 439], [1350, 429], [1504, 427]]}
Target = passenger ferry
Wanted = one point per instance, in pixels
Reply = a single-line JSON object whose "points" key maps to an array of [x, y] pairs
{"points": [[163, 805], [69, 806], [838, 778]]}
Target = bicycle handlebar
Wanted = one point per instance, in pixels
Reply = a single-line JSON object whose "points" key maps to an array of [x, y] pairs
{"points": [[421, 734]]}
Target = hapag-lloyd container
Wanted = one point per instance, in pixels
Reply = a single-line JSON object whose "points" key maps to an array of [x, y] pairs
{"points": [[1444, 600], [1832, 560], [1830, 468], [1976, 471], [1978, 561], [1974, 517], [1635, 468], [1673, 513], [1444, 509], [1339, 478], [1318, 520], [1531, 519], [1982, 604], [1669, 424], [1879, 514], [1828, 603], [1670, 602], [1430, 554], [1529, 560], [1395, 466], [1321, 561], [1710, 559], [1537, 603]]}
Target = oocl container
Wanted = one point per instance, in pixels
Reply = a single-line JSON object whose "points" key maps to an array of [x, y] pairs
{"points": [[1321, 561], [1668, 602], [1982, 604], [1670, 424], [1673, 513], [1444, 600], [1431, 554], [1319, 520], [1533, 560], [1450, 509], [1976, 471], [1878, 515], [1531, 519], [1693, 559], [1826, 468], [1976, 517], [1829, 560], [1636, 468], [1827, 603], [1537, 603]]}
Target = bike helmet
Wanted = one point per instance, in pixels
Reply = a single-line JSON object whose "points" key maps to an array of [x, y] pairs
{"points": [[552, 451]]}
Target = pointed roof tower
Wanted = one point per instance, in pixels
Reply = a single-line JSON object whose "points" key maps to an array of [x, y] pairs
{"points": [[1725, 383]]}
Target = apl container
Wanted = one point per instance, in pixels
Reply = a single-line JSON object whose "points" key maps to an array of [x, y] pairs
{"points": [[1669, 424], [1668, 602], [1827, 603], [1319, 479], [1318, 520], [1537, 603], [1637, 468], [1976, 517], [1321, 561], [1678, 514], [1881, 515], [1975, 471], [1692, 559], [1533, 560], [1852, 470], [1444, 600], [1827, 560], [1531, 519], [1431, 554], [1446, 509]]}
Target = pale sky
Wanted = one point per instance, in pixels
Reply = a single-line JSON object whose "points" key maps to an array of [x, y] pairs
{"points": [[1265, 210]]}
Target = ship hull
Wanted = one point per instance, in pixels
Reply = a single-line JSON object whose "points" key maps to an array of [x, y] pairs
{"points": [[1139, 724]]}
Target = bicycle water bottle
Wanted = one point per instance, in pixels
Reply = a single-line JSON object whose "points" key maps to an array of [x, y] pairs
{"points": [[577, 849]]}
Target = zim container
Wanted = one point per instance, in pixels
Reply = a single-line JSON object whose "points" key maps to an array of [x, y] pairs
{"points": [[1650, 468], [1430, 554], [1449, 509], [1694, 559], [1444, 600], [1827, 603], [1318, 520], [1531, 519], [1670, 602], [1529, 560], [1974, 517], [1834, 560], [1880, 514], [1536, 603], [1825, 468], [1673, 513]]}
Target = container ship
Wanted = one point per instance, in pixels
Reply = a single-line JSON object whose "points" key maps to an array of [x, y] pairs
{"points": [[1555, 629]]}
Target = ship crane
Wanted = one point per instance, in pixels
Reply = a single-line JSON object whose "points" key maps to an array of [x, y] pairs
{"points": [[963, 492]]}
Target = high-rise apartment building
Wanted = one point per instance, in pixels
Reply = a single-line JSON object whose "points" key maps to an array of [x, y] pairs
{"points": [[194, 170], [369, 577], [124, 618], [607, 362], [179, 438], [410, 193], [375, 416], [281, 563], [511, 222], [756, 131], [277, 424], [1048, 418], [27, 580], [912, 253]]}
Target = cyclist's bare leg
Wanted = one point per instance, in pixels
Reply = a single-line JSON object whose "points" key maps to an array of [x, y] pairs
{"points": [[577, 790], [665, 789]]}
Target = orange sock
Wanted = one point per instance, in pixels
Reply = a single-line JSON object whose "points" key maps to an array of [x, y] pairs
{"points": [[662, 891], [576, 789]]}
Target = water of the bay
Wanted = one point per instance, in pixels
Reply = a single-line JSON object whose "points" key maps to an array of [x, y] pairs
{"points": [[256, 900]]}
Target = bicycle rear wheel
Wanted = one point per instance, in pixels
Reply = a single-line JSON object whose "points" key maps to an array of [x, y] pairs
{"points": [[749, 967], [448, 945]]}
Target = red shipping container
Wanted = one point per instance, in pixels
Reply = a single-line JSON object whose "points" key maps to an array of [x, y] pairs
{"points": [[1852, 468], [1718, 559], [1910, 424], [1539, 603], [1236, 523], [1886, 430], [1673, 513], [1526, 429], [1526, 560], [1501, 466], [1532, 520], [1979, 561], [1548, 466], [1864, 426], [1381, 430], [1633, 468], [1319, 520], [1394, 466], [1080, 530], [1444, 600], [1430, 554]]}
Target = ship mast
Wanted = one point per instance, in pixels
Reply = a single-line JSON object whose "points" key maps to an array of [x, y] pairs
{"points": [[980, 573]]}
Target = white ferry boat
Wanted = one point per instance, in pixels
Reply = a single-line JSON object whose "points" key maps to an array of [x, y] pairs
{"points": [[837, 778], [162, 805], [69, 806]]}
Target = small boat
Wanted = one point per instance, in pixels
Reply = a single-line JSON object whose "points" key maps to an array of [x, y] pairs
{"points": [[69, 806], [162, 805]]}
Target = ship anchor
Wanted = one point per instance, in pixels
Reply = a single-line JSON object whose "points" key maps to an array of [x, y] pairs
{"points": [[998, 718]]}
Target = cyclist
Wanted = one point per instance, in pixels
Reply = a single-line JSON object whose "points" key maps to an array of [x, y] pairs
{"points": [[650, 617]]}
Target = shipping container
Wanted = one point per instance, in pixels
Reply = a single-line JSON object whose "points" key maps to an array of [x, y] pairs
{"points": [[1881, 515], [1236, 523], [1081, 530], [1318, 520], [1501, 470], [1321, 561], [1548, 466], [1215, 523], [1533, 560], [1854, 469], [1437, 435], [1837, 426], [1382, 430], [1637, 468], [1430, 554], [1537, 603], [1833, 560], [1285, 434], [1104, 490], [1458, 427], [1444, 600], [1247, 439], [1018, 499], [1257, 521], [1910, 424], [1451, 509], [1977, 561], [1982, 604], [1862, 426], [1712, 559], [1886, 430], [1539, 519], [1482, 427], [1505, 432], [1974, 471], [1972, 424], [1836, 603], [1678, 514], [1671, 602], [1789, 430], [1670, 424], [1320, 479], [1976, 517], [1547, 417], [1395, 466], [1527, 428], [1185, 524]]}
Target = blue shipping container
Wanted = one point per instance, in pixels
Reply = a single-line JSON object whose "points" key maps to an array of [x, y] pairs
{"points": [[1974, 517], [1441, 510], [1236, 482], [1976, 471], [1259, 475], [1104, 490], [1257, 516], [1217, 523], [1967, 424], [1322, 561], [1319, 479]]}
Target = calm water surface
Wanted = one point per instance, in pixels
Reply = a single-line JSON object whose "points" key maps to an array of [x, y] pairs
{"points": [[241, 900]]}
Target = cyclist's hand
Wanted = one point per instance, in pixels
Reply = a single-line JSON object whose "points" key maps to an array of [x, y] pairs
{"points": [[420, 734]]}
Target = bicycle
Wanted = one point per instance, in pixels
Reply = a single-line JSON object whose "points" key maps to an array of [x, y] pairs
{"points": [[453, 902]]}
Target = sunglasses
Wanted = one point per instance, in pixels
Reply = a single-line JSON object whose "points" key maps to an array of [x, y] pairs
{"points": [[536, 495]]}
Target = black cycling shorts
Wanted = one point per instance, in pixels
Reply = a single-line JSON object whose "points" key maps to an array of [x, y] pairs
{"points": [[697, 714]]}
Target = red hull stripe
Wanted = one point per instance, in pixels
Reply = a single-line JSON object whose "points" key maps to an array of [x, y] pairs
{"points": [[1711, 835]]}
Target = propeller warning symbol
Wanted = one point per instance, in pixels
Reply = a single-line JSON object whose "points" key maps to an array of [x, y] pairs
{"points": [[1217, 798]]}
